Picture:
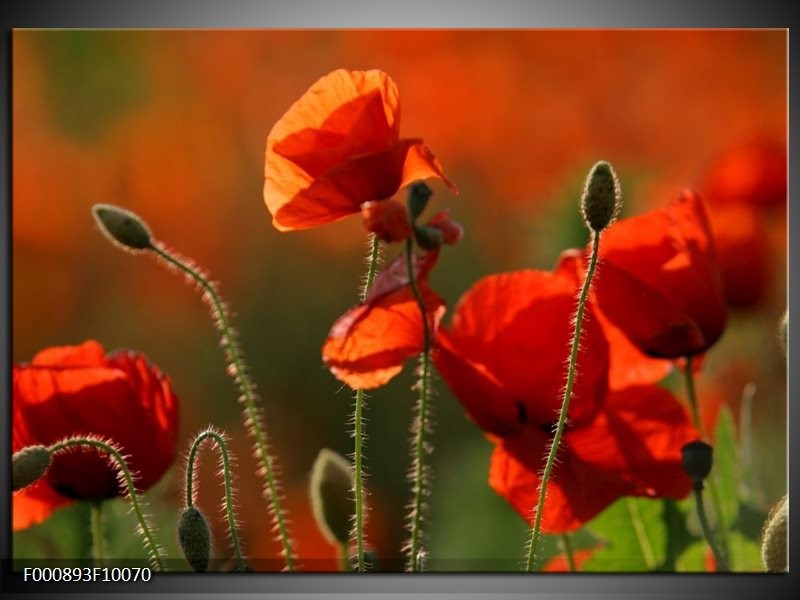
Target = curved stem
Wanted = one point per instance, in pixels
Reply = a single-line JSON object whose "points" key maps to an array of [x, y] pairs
{"points": [[562, 417], [147, 534], [568, 553], [247, 389], [226, 475], [719, 557], [96, 517], [421, 423], [712, 487], [358, 425]]}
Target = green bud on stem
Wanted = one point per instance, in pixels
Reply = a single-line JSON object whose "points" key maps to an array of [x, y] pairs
{"points": [[195, 538], [122, 227], [29, 465], [602, 197]]}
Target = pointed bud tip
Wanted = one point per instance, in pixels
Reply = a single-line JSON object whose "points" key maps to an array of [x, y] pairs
{"points": [[697, 458], [602, 197], [331, 495], [29, 465], [194, 538], [122, 227]]}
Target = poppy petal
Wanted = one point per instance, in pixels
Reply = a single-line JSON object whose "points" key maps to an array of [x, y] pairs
{"points": [[34, 504]]}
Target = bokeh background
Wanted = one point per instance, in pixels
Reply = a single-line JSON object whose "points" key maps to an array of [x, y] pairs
{"points": [[172, 125]]}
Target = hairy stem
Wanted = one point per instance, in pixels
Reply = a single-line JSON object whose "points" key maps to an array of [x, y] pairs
{"points": [[358, 424], [421, 425], [562, 417], [219, 440], [247, 390], [147, 534]]}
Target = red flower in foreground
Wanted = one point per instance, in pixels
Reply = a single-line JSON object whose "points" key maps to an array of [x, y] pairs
{"points": [[339, 146], [368, 345], [503, 357], [77, 391], [659, 280]]}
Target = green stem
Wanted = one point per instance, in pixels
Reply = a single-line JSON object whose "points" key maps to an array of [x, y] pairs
{"points": [[226, 475], [358, 434], [711, 483], [719, 557], [247, 389], [149, 539], [421, 423], [641, 534], [568, 553], [562, 417], [97, 532]]}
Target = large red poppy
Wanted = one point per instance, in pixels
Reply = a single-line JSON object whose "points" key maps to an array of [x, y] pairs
{"points": [[339, 146], [504, 358], [77, 391], [660, 282], [368, 345]]}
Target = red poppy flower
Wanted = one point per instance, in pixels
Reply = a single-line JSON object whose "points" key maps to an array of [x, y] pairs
{"points": [[632, 448], [659, 280], [339, 146], [77, 391], [368, 345], [751, 173], [503, 358]]}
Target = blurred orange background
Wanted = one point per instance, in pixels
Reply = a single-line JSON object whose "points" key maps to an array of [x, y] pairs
{"points": [[172, 125]]}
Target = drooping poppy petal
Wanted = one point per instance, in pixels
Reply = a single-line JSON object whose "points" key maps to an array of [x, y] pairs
{"points": [[751, 173], [337, 147], [659, 281], [120, 397], [627, 364], [632, 448], [367, 346], [514, 330]]}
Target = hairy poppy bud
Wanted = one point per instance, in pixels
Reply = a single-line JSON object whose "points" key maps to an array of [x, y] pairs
{"points": [[122, 227], [773, 537], [331, 490], [697, 459], [418, 195], [602, 197], [387, 219], [29, 465], [195, 538]]}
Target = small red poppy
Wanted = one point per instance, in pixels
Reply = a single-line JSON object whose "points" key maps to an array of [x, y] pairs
{"points": [[339, 146], [368, 345], [659, 280], [77, 391]]}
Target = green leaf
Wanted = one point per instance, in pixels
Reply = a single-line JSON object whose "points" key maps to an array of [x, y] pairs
{"points": [[726, 468], [634, 536], [745, 555]]}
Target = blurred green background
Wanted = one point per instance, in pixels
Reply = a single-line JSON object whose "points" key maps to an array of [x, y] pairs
{"points": [[172, 125]]}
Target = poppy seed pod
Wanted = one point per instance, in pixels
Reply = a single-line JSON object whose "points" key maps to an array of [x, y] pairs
{"points": [[773, 537], [697, 459], [195, 538], [331, 495], [418, 196], [428, 237], [29, 465], [601, 198], [122, 227]]}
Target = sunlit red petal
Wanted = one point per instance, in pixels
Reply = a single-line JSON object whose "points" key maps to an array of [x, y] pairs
{"points": [[34, 504], [659, 281], [337, 147], [518, 328]]}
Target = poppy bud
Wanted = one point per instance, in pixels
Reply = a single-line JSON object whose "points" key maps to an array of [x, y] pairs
{"points": [[331, 491], [122, 227], [773, 537], [697, 459], [29, 465], [602, 197], [195, 538], [452, 232], [428, 237], [387, 219], [418, 195]]}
